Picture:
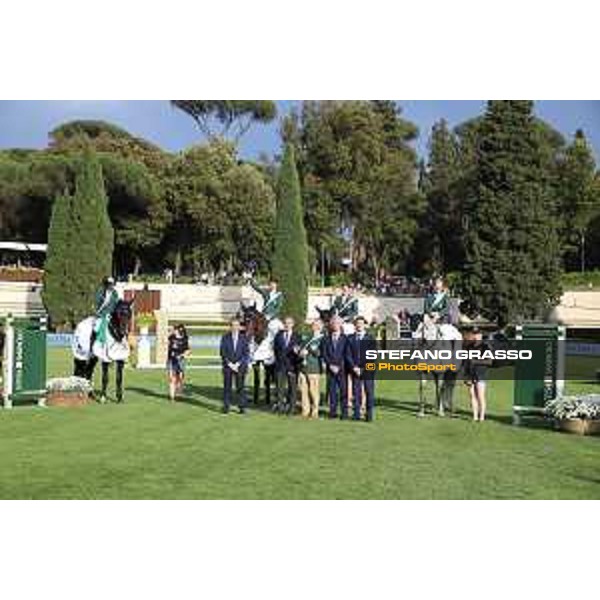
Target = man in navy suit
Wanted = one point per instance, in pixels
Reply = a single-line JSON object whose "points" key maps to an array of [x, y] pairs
{"points": [[358, 342], [334, 355], [286, 347], [235, 356]]}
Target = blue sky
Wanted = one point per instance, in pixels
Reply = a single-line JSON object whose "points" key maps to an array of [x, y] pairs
{"points": [[25, 124]]}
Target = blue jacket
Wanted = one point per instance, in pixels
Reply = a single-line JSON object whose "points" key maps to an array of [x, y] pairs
{"points": [[354, 356], [335, 354], [241, 353], [286, 359]]}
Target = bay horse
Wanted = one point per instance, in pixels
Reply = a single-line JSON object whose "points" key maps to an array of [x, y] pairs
{"points": [[87, 352], [261, 334], [327, 314]]}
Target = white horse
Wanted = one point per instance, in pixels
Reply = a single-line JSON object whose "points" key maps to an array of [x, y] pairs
{"points": [[115, 349], [446, 336]]}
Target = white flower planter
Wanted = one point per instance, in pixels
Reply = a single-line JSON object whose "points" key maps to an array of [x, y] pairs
{"points": [[143, 349], [579, 426]]}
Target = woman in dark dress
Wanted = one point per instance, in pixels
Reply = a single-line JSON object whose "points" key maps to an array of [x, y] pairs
{"points": [[475, 373], [178, 350]]}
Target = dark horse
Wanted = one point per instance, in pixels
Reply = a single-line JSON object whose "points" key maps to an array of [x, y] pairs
{"points": [[326, 315], [87, 351], [255, 325]]}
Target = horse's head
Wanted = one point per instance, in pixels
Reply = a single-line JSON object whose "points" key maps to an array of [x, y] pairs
{"points": [[120, 319], [253, 321], [247, 314], [414, 321], [325, 314], [427, 330]]}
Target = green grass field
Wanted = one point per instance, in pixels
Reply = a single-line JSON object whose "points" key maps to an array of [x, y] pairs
{"points": [[149, 448]]}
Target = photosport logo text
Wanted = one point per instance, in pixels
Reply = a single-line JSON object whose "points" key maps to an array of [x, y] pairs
{"points": [[400, 359]]}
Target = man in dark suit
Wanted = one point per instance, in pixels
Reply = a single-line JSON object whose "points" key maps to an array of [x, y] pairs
{"points": [[358, 342], [286, 347], [235, 356], [334, 356]]}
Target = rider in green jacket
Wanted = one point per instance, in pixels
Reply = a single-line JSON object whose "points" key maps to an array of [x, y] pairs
{"points": [[272, 299], [345, 304], [105, 303], [437, 302]]}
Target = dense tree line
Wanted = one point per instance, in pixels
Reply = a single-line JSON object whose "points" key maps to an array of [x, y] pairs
{"points": [[498, 199], [509, 205], [358, 173], [202, 209]]}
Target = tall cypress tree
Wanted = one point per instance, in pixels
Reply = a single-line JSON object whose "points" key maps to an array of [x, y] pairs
{"points": [[290, 254], [80, 246], [513, 252], [58, 267], [93, 231]]}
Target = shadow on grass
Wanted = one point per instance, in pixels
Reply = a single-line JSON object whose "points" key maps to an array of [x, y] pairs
{"points": [[412, 408], [207, 397], [587, 479], [210, 398]]}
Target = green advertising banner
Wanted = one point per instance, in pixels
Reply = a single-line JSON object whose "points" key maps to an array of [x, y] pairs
{"points": [[542, 379], [25, 359]]}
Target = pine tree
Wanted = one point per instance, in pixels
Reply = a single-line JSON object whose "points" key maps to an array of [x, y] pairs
{"points": [[80, 246], [444, 210], [290, 255], [59, 261], [578, 195], [513, 252]]}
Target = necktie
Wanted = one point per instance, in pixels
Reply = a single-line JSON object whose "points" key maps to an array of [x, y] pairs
{"points": [[234, 342]]}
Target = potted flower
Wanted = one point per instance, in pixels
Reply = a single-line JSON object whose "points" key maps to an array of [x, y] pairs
{"points": [[144, 322], [68, 391], [576, 414]]}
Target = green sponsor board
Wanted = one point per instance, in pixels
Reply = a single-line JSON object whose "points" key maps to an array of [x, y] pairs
{"points": [[24, 359], [541, 379]]}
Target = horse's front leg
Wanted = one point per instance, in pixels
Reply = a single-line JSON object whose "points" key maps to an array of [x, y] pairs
{"points": [[79, 368], [90, 367], [269, 379], [119, 379], [448, 384], [105, 367], [422, 397], [439, 400], [256, 381]]}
